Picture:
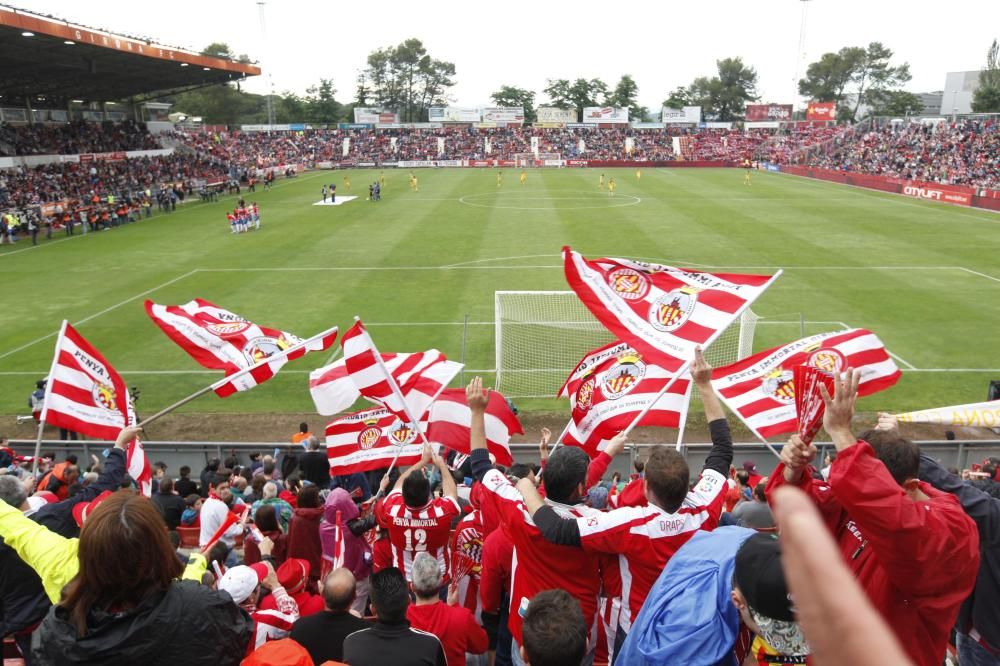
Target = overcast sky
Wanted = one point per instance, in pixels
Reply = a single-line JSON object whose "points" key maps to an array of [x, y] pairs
{"points": [[661, 44]]}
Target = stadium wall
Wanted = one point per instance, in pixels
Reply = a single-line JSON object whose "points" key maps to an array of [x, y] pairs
{"points": [[604, 164], [958, 195]]}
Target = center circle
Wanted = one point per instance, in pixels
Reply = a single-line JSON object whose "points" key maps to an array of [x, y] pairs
{"points": [[509, 201]]}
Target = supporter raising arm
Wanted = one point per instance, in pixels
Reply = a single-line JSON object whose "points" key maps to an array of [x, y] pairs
{"points": [[646, 537], [910, 546]]}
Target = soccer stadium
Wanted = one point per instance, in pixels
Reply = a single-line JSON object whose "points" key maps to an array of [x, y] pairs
{"points": [[451, 374]]}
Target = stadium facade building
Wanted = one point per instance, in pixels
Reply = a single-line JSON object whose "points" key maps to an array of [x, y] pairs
{"points": [[959, 87]]}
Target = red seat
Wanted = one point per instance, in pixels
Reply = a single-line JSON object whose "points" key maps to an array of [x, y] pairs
{"points": [[189, 536]]}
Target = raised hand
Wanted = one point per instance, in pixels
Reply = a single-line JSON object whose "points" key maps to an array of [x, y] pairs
{"points": [[840, 406], [543, 445], [127, 434], [475, 396], [701, 370], [887, 422], [796, 454]]}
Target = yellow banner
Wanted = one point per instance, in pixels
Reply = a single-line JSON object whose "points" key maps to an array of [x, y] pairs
{"points": [[980, 414]]}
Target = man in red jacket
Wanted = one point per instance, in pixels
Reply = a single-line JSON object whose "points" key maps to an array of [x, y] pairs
{"points": [[912, 548], [454, 625]]}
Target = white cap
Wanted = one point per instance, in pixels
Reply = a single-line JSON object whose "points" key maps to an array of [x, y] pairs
{"points": [[240, 582]]}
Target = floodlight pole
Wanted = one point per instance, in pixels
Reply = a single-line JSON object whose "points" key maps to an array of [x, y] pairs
{"points": [[267, 54], [800, 55]]}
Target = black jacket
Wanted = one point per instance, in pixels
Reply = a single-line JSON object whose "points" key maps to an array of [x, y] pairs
{"points": [[982, 609], [170, 507], [23, 602], [188, 624], [322, 634], [58, 517], [185, 487], [314, 467], [395, 644]]}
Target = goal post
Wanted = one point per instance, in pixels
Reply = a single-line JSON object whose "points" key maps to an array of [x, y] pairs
{"points": [[525, 160], [541, 335]]}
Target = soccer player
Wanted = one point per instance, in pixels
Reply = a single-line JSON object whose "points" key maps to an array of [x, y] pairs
{"points": [[747, 168], [333, 194], [600, 185], [645, 537], [611, 187], [638, 174], [323, 191], [255, 212], [413, 181], [347, 183], [524, 176], [381, 180], [231, 218], [499, 178], [416, 521], [416, 185]]}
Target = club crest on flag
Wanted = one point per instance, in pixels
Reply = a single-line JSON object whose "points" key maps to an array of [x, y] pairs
{"points": [[369, 436], [257, 349], [585, 394], [401, 434], [227, 329], [827, 360], [623, 377], [780, 385], [104, 396], [670, 311], [628, 283]]}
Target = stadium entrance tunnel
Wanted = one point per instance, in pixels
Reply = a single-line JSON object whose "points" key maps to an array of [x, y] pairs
{"points": [[564, 200]]}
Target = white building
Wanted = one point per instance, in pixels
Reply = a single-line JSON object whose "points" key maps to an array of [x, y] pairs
{"points": [[958, 90]]}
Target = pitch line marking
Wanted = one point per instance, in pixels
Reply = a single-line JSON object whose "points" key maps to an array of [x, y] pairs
{"points": [[969, 270], [102, 312], [909, 366]]}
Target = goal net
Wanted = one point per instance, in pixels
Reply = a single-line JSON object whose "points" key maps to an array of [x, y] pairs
{"points": [[524, 160], [542, 335]]}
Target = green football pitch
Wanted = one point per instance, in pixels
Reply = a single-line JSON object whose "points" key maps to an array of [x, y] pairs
{"points": [[416, 265]]}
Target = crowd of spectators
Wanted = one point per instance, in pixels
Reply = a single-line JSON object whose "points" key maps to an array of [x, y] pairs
{"points": [[963, 152], [74, 138], [884, 550]]}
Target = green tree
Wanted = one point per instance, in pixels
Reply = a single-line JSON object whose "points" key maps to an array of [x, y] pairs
{"points": [[986, 99], [219, 50], [724, 97], [894, 103], [557, 90], [874, 74], [827, 79], [577, 94], [626, 95], [512, 96], [680, 97], [320, 103], [406, 78]]}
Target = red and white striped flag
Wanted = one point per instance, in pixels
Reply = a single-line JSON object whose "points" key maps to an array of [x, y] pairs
{"points": [[86, 394], [761, 388], [661, 311], [420, 377], [610, 386], [450, 421], [368, 440], [221, 340]]}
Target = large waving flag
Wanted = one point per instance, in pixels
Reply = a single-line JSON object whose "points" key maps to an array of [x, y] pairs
{"points": [[661, 311], [608, 389], [449, 423], [761, 388], [85, 394], [370, 439], [420, 377], [979, 414], [221, 340]]}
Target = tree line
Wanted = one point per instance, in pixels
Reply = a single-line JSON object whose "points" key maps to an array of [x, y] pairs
{"points": [[408, 79]]}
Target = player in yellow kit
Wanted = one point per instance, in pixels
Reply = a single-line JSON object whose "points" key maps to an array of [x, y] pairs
{"points": [[747, 168], [413, 180], [600, 185], [381, 179], [611, 187], [499, 178], [347, 183], [638, 174], [524, 176]]}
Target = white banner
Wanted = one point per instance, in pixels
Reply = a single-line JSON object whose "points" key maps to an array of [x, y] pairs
{"points": [[534, 146], [440, 142], [369, 116], [604, 114], [500, 114], [462, 114], [980, 414], [687, 114], [548, 114], [436, 114], [392, 144], [347, 147]]}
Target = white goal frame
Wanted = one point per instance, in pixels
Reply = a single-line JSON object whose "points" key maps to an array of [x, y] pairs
{"points": [[542, 159], [588, 334]]}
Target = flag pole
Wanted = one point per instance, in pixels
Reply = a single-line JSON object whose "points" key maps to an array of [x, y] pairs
{"points": [[712, 338], [45, 399], [684, 417], [395, 387], [234, 376]]}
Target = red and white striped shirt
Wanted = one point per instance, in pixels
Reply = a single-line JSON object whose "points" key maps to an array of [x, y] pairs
{"points": [[418, 530], [646, 537]]}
